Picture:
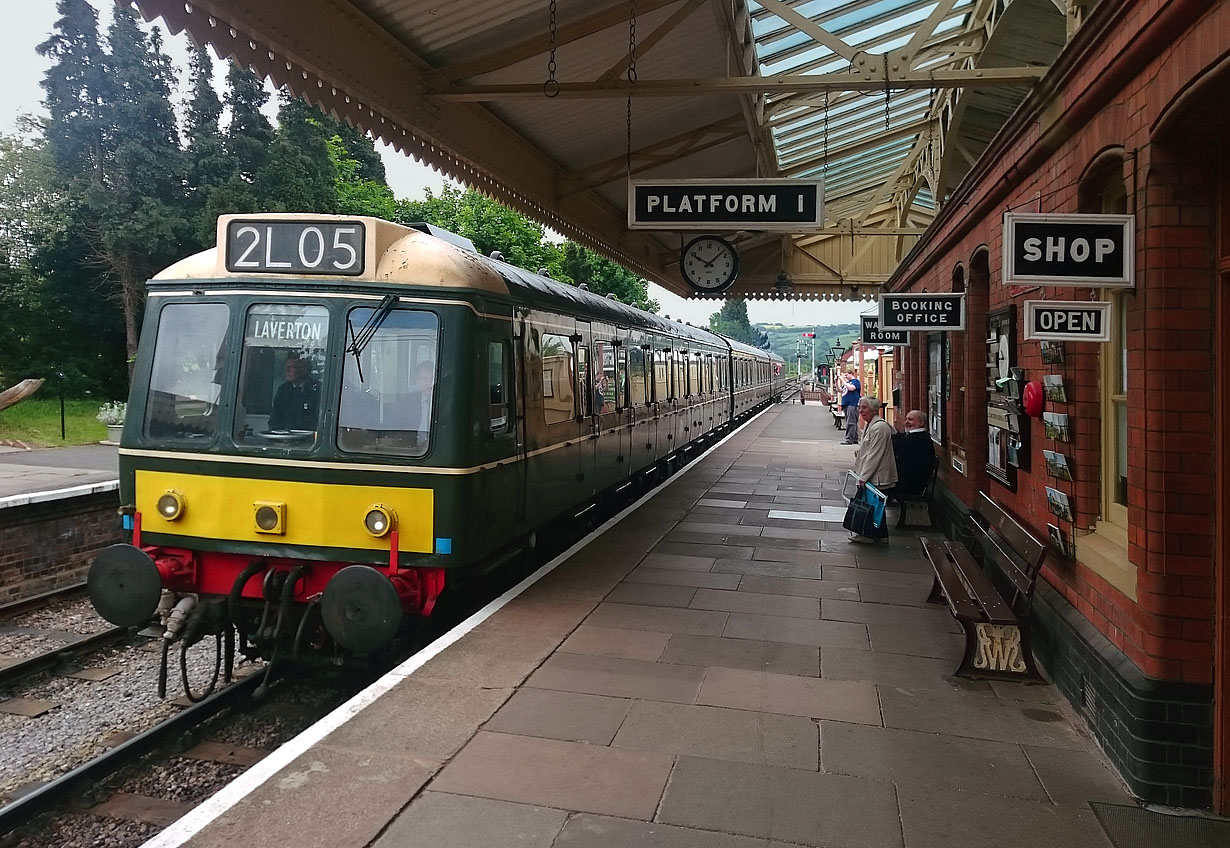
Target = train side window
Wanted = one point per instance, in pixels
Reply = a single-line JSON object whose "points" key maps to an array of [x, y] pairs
{"points": [[186, 378], [661, 384], [623, 389], [497, 385], [557, 378], [605, 382], [583, 381], [676, 375], [636, 376], [694, 387]]}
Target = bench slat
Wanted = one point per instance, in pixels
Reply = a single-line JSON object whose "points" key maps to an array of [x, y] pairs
{"points": [[980, 586], [955, 589], [1017, 537]]}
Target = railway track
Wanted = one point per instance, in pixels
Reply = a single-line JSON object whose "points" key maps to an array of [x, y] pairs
{"points": [[83, 780], [60, 656]]}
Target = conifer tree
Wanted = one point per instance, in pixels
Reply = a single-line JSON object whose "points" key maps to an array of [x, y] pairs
{"points": [[210, 166]]}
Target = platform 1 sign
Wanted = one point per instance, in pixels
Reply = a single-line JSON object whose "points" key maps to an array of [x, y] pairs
{"points": [[789, 205], [873, 335], [1062, 250], [1067, 320], [910, 312]]}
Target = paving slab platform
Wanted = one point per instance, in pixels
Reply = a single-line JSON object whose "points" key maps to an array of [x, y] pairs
{"points": [[703, 673]]}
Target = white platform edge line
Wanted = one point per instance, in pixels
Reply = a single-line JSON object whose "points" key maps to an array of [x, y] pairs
{"points": [[228, 796], [59, 494]]}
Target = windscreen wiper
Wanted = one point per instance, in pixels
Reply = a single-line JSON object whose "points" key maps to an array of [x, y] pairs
{"points": [[359, 340]]}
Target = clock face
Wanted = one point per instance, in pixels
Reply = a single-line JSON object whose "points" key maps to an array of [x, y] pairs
{"points": [[709, 263]]}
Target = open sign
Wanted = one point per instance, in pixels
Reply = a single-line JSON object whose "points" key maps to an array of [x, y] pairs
{"points": [[1061, 320]]}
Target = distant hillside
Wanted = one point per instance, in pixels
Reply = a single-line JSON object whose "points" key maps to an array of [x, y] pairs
{"points": [[785, 340]]}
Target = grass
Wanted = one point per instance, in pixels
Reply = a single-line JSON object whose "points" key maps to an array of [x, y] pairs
{"points": [[36, 421]]}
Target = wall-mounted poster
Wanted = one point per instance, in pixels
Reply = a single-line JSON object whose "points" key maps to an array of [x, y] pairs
{"points": [[1055, 426], [1059, 542], [1053, 388], [1052, 353], [1059, 504], [1057, 465]]}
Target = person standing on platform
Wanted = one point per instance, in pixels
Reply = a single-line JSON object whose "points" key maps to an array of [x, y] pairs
{"points": [[851, 391], [874, 462]]}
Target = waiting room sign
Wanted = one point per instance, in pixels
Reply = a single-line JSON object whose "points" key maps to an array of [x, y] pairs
{"points": [[873, 335], [1064, 250]]}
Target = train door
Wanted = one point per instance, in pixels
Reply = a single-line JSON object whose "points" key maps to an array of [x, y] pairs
{"points": [[640, 401], [624, 414], [587, 418], [500, 431], [659, 424]]}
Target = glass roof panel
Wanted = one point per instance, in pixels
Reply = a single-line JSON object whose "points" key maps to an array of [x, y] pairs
{"points": [[836, 135]]}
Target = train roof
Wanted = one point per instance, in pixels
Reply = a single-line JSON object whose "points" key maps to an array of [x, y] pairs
{"points": [[271, 248]]}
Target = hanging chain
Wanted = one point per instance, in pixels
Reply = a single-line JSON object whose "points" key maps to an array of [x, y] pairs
{"points": [[631, 78], [825, 169], [886, 93], [551, 87]]}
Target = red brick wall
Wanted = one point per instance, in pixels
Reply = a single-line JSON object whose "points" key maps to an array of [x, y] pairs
{"points": [[1168, 631], [48, 546]]}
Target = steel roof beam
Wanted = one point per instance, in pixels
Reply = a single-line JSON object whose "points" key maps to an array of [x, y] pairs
{"points": [[972, 78]]}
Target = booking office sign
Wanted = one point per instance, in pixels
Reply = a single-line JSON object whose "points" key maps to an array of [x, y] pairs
{"points": [[925, 312]]}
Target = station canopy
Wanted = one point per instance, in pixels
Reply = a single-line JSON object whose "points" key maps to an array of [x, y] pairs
{"points": [[551, 106]]}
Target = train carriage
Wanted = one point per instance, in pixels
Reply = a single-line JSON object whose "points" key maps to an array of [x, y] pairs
{"points": [[335, 418]]}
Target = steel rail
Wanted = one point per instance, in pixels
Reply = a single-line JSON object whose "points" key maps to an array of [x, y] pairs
{"points": [[37, 601], [21, 669], [60, 790]]}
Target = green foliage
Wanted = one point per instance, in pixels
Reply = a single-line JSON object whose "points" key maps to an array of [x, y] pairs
{"points": [[356, 193], [732, 321], [36, 421], [582, 265]]}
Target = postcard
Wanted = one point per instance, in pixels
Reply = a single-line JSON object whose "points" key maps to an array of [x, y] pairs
{"points": [[1057, 465], [1058, 543], [1055, 426], [1052, 353], [1059, 504], [1053, 388]]}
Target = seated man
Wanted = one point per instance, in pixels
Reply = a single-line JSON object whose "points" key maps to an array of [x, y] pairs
{"points": [[915, 455], [296, 404]]}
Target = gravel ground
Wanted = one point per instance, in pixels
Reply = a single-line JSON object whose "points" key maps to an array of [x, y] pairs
{"points": [[49, 745], [38, 631], [82, 830]]}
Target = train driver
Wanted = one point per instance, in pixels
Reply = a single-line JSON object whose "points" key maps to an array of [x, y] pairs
{"points": [[296, 404]]}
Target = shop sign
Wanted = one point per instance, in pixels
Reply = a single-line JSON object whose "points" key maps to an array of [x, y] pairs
{"points": [[1062, 250], [788, 205], [1062, 320], [873, 335], [907, 312]]}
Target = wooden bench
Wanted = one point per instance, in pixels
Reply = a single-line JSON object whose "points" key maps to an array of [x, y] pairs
{"points": [[996, 630], [916, 508]]}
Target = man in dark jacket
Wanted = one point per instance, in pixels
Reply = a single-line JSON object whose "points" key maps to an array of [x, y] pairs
{"points": [[915, 454], [296, 404]]}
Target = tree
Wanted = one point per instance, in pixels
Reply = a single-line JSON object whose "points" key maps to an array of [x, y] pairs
{"points": [[298, 174], [732, 321], [210, 166], [581, 265], [488, 224], [111, 131], [356, 193], [248, 139]]}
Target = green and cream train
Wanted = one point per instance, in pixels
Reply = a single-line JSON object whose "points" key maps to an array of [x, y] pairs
{"points": [[334, 419]]}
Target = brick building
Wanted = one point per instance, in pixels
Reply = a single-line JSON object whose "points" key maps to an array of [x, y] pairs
{"points": [[1133, 623]]}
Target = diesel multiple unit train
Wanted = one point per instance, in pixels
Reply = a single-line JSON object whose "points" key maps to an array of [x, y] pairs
{"points": [[335, 419]]}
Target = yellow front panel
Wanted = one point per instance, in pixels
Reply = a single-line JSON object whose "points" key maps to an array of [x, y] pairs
{"points": [[317, 514]]}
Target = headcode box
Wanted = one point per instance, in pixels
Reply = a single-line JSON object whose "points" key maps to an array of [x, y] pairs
{"points": [[914, 312]]}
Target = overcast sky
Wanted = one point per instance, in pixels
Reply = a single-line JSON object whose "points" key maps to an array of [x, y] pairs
{"points": [[29, 22]]}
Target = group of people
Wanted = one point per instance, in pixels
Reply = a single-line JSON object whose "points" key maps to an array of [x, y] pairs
{"points": [[898, 462]]}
